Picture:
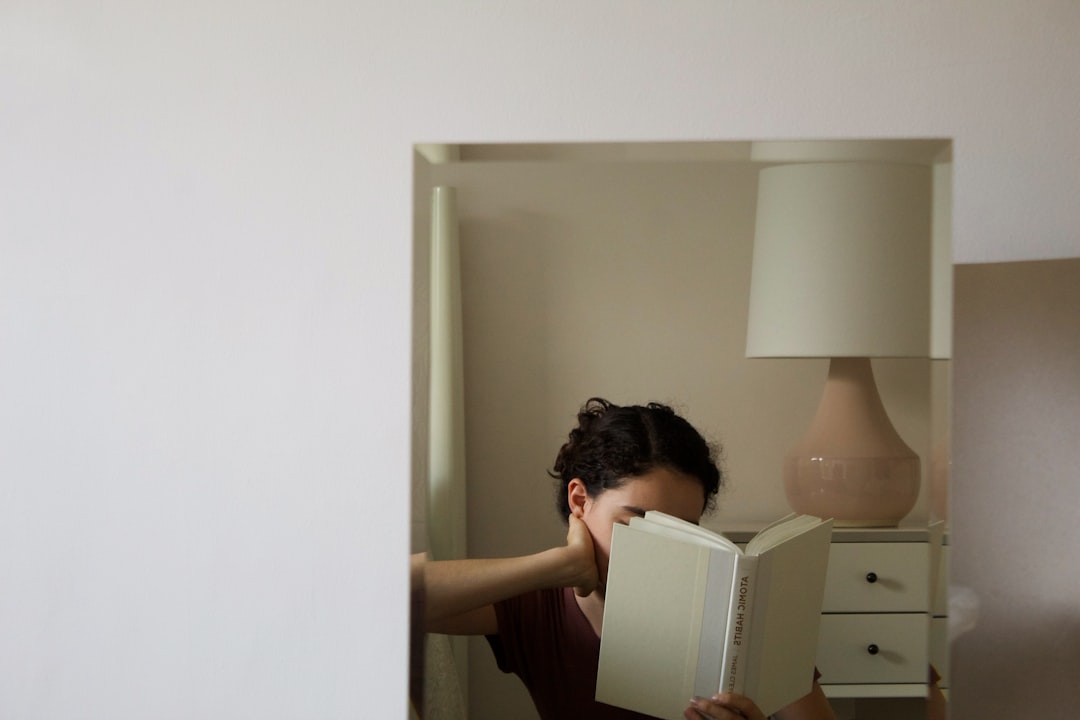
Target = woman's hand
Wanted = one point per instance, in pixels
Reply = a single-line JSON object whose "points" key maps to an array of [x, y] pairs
{"points": [[724, 706], [579, 547]]}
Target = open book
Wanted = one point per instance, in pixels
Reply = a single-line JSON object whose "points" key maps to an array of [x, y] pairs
{"points": [[687, 613]]}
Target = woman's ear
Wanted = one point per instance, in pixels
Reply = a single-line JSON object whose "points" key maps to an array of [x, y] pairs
{"points": [[577, 496]]}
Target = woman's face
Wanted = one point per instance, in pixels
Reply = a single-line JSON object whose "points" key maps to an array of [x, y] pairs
{"points": [[660, 489]]}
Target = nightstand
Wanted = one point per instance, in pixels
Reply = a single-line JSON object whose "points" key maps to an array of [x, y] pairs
{"points": [[875, 625], [874, 640], [939, 604]]}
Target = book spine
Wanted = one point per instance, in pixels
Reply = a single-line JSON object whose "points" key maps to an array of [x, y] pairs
{"points": [[715, 615], [737, 643]]}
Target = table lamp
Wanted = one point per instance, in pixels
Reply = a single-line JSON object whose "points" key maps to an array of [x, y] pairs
{"points": [[841, 269]]}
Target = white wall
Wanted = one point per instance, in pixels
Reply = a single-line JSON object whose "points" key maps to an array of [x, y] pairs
{"points": [[205, 287]]}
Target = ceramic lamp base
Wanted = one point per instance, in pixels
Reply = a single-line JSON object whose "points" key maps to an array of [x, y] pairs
{"points": [[855, 492], [852, 465]]}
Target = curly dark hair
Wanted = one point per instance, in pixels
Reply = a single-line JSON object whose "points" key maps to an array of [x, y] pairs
{"points": [[614, 443]]}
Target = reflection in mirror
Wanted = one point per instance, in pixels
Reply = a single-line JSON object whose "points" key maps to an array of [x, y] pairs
{"points": [[623, 271]]}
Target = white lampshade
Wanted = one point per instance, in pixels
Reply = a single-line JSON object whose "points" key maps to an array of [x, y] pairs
{"points": [[841, 261]]}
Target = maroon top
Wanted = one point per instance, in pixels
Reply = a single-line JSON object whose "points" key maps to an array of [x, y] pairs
{"points": [[545, 639]]}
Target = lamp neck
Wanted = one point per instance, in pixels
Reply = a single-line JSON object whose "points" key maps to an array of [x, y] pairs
{"points": [[851, 417], [851, 381]]}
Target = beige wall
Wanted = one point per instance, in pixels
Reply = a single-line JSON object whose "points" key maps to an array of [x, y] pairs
{"points": [[1016, 487], [627, 280]]}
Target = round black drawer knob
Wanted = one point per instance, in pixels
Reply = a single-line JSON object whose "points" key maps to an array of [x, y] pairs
{"points": [[873, 649], [871, 577]]}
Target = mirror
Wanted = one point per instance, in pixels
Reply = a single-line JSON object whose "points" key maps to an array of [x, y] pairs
{"points": [[623, 271]]}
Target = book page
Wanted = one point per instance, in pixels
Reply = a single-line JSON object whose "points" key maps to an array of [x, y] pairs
{"points": [[655, 518], [780, 531]]}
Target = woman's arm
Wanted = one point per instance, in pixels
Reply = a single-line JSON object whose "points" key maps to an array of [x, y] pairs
{"points": [[458, 594]]}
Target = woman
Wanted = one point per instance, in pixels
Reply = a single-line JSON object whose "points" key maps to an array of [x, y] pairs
{"points": [[542, 613]]}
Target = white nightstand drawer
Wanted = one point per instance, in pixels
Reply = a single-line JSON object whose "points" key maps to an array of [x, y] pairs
{"points": [[877, 577], [873, 648]]}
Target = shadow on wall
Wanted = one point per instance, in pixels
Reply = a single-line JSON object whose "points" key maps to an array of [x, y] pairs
{"points": [[1016, 409]]}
